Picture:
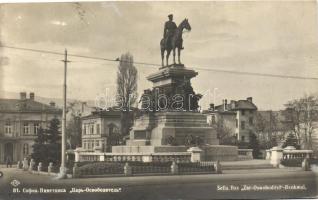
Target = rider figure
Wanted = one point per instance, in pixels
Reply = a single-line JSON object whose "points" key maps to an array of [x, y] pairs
{"points": [[169, 30]]}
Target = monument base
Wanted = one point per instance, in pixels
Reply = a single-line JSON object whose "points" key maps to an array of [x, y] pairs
{"points": [[157, 129]]}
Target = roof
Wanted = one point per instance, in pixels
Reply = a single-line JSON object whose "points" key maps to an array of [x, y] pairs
{"points": [[237, 105], [232, 107], [26, 105], [103, 114], [244, 105]]}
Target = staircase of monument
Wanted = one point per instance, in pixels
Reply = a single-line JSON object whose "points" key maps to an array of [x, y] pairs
{"points": [[245, 165]]}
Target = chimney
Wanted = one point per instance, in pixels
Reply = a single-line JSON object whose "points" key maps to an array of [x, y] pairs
{"points": [[32, 96], [52, 103], [225, 104], [211, 107], [232, 104], [23, 95], [250, 99]]}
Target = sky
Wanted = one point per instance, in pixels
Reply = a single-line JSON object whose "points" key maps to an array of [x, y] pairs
{"points": [[259, 37]]}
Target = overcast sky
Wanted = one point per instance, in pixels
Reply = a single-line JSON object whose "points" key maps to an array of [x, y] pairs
{"points": [[263, 37]]}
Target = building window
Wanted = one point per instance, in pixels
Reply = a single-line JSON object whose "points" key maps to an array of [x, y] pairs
{"points": [[84, 129], [8, 128], [25, 149], [242, 125], [251, 111], [85, 145], [92, 144], [98, 129], [97, 143], [92, 129], [26, 130], [36, 128], [213, 119], [236, 123], [243, 138], [243, 112], [250, 120]]}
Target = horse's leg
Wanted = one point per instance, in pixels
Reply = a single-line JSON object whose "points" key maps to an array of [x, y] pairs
{"points": [[167, 57], [174, 55], [179, 51], [162, 55]]}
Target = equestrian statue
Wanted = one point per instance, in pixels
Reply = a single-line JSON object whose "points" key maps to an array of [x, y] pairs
{"points": [[172, 39]]}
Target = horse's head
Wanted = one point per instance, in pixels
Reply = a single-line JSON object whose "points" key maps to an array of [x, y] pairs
{"points": [[185, 24]]}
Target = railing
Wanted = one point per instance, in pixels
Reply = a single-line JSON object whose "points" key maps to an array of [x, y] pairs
{"points": [[198, 167], [245, 154], [291, 154], [140, 168], [288, 156], [132, 157]]}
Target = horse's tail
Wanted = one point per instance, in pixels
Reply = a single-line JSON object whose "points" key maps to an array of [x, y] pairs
{"points": [[162, 45]]}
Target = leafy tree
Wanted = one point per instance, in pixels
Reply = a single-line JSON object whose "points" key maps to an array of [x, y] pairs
{"points": [[126, 91]]}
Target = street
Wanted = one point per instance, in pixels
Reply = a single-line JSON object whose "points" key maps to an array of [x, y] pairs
{"points": [[239, 184]]}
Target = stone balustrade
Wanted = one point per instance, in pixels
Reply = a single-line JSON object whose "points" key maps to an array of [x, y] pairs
{"points": [[278, 154], [81, 156]]}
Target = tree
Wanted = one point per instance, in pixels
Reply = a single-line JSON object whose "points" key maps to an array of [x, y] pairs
{"points": [[74, 124], [302, 113], [254, 144], [47, 147], [126, 91], [224, 133], [291, 140], [267, 128]]}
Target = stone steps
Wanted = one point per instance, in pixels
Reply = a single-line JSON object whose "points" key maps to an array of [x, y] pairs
{"points": [[244, 167]]}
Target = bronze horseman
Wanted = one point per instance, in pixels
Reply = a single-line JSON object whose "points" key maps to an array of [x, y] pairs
{"points": [[172, 39]]}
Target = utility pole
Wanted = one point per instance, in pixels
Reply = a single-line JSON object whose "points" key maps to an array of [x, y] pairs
{"points": [[63, 150]]}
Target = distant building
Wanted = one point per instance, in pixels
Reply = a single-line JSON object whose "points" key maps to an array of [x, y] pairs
{"points": [[238, 116], [101, 130], [19, 125]]}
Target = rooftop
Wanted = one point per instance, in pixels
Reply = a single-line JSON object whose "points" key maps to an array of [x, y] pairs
{"points": [[25, 105], [230, 108]]}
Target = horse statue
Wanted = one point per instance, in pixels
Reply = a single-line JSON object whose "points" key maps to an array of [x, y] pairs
{"points": [[174, 42]]}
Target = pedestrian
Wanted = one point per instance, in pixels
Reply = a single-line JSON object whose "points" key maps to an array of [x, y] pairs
{"points": [[8, 162]]}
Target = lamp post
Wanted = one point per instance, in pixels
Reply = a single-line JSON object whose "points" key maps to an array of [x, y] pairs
{"points": [[62, 173]]}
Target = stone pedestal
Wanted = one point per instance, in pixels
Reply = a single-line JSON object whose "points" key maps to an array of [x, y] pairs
{"points": [[25, 164], [156, 129], [195, 154], [276, 156]]}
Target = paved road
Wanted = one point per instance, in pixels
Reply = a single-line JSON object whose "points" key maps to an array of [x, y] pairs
{"points": [[168, 187]]}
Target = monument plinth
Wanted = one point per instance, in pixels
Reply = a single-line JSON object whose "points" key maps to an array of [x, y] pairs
{"points": [[170, 121]]}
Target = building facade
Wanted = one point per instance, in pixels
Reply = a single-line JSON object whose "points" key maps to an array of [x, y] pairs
{"points": [[237, 116], [101, 130], [19, 125]]}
